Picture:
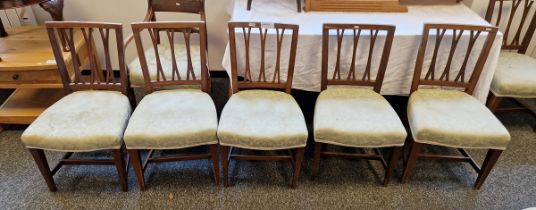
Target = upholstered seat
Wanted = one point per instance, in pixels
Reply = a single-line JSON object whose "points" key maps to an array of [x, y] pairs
{"points": [[164, 50], [173, 119], [356, 117], [81, 121], [454, 119], [515, 76], [262, 120]]}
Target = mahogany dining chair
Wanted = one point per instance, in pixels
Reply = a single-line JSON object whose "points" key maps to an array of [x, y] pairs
{"points": [[178, 112], [261, 114], [441, 109], [350, 112], [515, 76], [94, 114]]}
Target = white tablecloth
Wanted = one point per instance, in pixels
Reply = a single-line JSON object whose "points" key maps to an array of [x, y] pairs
{"points": [[409, 28]]}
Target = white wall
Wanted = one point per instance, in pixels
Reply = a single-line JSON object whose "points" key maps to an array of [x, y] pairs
{"points": [[127, 11]]}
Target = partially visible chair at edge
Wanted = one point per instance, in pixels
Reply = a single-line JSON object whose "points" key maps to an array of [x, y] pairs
{"points": [[449, 116], [515, 76]]}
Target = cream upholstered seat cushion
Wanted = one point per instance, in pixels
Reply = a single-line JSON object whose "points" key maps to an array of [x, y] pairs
{"points": [[173, 119], [164, 50], [454, 119], [81, 121], [262, 120], [515, 76], [356, 117]]}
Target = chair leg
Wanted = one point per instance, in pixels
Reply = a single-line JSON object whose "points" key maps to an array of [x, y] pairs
{"points": [[489, 162], [411, 161], [225, 164], [121, 171], [249, 5], [215, 163], [135, 159], [41, 161], [316, 159], [395, 155], [298, 158], [493, 102], [299, 5]]}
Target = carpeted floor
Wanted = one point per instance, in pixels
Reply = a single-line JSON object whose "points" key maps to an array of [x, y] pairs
{"points": [[342, 184]]}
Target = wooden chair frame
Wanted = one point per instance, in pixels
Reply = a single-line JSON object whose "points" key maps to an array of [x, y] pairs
{"points": [[99, 80], [457, 82], [262, 83], [520, 42], [357, 31], [172, 28], [298, 2]]}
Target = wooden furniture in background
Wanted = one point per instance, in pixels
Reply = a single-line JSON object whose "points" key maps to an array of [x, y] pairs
{"points": [[377, 119], [515, 76], [28, 65], [249, 113], [171, 131], [451, 127], [355, 6], [103, 83], [54, 7]]}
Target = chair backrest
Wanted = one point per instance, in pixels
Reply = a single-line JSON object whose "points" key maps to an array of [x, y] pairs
{"points": [[100, 77], [359, 39], [285, 46], [174, 32], [184, 6], [471, 62], [514, 16]]}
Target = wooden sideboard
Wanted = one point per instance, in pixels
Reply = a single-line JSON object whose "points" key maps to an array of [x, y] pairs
{"points": [[29, 67]]}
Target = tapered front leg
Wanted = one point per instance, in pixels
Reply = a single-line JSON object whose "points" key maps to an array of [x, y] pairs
{"points": [[42, 163]]}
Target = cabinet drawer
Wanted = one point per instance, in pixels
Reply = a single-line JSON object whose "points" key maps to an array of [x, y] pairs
{"points": [[30, 77], [193, 6]]}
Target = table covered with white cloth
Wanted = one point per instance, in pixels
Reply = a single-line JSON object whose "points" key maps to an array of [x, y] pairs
{"points": [[409, 29]]}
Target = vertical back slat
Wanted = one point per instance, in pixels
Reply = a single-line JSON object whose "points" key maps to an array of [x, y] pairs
{"points": [[454, 45], [105, 36], [277, 72], [337, 72], [439, 38], [174, 67], [351, 72], [373, 36], [247, 36], [262, 70]]}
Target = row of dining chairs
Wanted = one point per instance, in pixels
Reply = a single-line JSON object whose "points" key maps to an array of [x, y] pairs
{"points": [[260, 114]]}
